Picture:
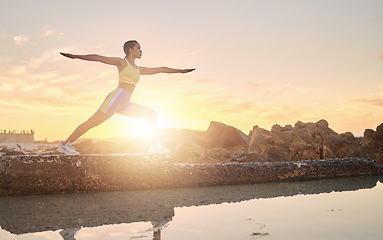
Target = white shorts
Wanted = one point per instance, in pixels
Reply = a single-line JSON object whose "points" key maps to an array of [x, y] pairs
{"points": [[118, 101]]}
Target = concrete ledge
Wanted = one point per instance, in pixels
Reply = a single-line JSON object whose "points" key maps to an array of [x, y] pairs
{"points": [[20, 175]]}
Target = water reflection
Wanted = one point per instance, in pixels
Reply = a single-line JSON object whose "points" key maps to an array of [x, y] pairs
{"points": [[68, 234], [71, 212]]}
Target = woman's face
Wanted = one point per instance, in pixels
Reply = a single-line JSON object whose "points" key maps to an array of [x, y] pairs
{"points": [[136, 51]]}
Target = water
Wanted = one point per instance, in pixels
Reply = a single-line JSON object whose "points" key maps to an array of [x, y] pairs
{"points": [[347, 208]]}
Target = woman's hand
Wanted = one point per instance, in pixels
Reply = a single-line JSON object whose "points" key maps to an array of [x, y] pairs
{"points": [[68, 55], [187, 70]]}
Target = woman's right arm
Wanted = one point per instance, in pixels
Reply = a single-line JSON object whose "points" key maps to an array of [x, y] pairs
{"points": [[94, 57]]}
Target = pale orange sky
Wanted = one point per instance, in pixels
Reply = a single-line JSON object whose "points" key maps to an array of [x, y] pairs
{"points": [[257, 63]]}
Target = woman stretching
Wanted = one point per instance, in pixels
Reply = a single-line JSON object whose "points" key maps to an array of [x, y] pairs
{"points": [[118, 101]]}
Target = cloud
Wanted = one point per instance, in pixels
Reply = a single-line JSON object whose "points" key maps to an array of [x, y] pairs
{"points": [[48, 31], [39, 96], [107, 74], [301, 90], [227, 105], [270, 89], [381, 58], [22, 86], [205, 80], [66, 80], [35, 63], [377, 101], [20, 40], [17, 70], [51, 55], [44, 75], [4, 86]]}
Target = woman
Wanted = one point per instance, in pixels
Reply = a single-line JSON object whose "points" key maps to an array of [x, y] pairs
{"points": [[118, 101]]}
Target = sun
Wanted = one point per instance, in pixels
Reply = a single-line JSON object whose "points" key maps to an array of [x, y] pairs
{"points": [[127, 127], [140, 128]]}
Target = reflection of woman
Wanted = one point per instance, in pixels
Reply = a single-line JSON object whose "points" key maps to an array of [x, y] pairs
{"points": [[68, 234], [119, 99], [157, 228]]}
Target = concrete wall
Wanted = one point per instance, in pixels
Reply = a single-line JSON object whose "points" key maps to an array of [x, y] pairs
{"points": [[53, 174]]}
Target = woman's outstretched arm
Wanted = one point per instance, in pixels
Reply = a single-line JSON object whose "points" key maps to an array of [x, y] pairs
{"points": [[150, 71], [94, 57]]}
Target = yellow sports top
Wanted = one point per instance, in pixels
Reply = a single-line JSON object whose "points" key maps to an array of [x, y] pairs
{"points": [[129, 74]]}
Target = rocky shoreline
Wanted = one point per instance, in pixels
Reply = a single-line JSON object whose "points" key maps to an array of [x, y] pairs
{"points": [[222, 155], [221, 143]]}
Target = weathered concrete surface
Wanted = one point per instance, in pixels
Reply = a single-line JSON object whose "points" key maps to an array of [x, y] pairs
{"points": [[52, 174]]}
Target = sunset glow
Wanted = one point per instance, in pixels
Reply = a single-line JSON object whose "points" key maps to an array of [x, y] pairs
{"points": [[257, 63]]}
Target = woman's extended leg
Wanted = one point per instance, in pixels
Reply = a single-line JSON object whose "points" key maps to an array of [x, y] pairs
{"points": [[97, 118], [66, 146]]}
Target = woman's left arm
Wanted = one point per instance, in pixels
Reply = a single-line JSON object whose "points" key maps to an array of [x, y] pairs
{"points": [[155, 70]]}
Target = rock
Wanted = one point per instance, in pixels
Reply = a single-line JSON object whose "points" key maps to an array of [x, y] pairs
{"points": [[85, 147], [322, 124], [187, 146], [88, 146], [269, 144], [222, 155], [304, 141], [368, 133], [218, 154], [305, 134], [224, 136], [238, 155], [223, 144], [172, 138], [327, 153], [348, 136], [318, 130], [6, 151], [379, 158], [259, 136], [220, 143], [379, 133], [135, 145], [106, 147], [350, 146], [188, 151], [335, 142], [372, 144], [255, 157]]}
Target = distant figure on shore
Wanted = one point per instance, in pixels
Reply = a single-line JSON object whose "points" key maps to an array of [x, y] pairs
{"points": [[118, 101]]}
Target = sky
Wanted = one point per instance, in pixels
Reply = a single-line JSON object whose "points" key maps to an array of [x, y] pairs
{"points": [[257, 62]]}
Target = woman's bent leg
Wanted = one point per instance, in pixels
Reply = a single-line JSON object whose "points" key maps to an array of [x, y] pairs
{"points": [[139, 111], [97, 118]]}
